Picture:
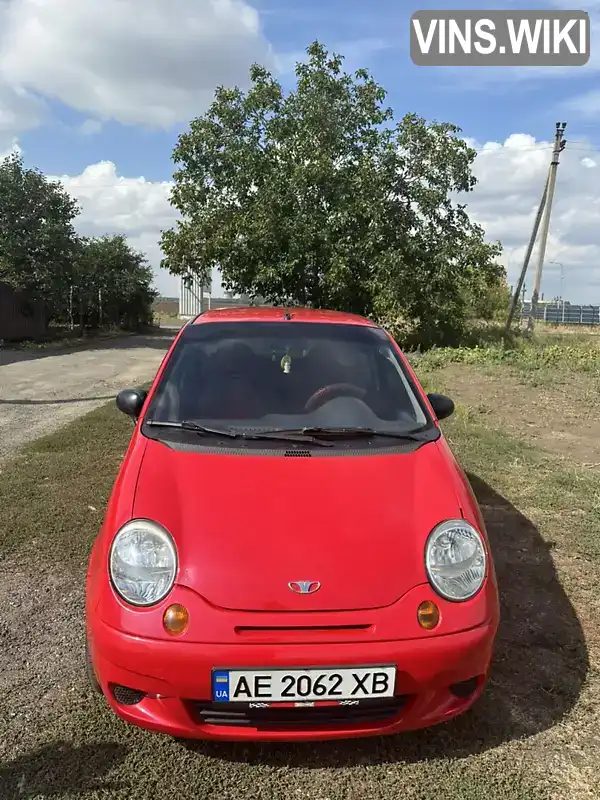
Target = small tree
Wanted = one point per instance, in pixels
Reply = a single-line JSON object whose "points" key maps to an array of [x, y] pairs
{"points": [[318, 198], [113, 284], [491, 301]]}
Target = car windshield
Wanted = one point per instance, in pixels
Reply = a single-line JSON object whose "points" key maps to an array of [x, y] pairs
{"points": [[258, 376]]}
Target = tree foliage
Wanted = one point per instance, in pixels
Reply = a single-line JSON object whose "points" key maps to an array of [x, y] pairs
{"points": [[87, 282], [490, 301], [37, 238], [111, 284], [318, 198]]}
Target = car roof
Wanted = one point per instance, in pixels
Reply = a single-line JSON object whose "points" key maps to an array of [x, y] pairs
{"points": [[278, 314]]}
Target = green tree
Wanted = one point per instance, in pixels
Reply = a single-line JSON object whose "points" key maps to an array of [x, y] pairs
{"points": [[112, 284], [37, 238], [317, 198]]}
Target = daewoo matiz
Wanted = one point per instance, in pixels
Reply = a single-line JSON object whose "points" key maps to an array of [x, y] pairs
{"points": [[290, 550]]}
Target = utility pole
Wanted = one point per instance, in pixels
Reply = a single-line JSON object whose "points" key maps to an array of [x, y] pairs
{"points": [[559, 146], [520, 284]]}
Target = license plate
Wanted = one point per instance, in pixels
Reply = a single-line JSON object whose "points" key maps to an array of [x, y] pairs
{"points": [[303, 685]]}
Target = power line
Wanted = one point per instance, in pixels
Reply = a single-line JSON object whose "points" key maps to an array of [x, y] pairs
{"points": [[510, 150]]}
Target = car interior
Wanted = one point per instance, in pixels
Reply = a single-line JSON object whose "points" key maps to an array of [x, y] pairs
{"points": [[314, 383]]}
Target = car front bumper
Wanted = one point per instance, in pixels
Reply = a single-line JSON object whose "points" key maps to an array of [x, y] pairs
{"points": [[437, 678]]}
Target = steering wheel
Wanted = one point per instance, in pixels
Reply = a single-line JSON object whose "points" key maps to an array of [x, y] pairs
{"points": [[322, 396]]}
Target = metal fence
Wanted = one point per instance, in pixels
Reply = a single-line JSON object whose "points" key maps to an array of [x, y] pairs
{"points": [[192, 296], [564, 313]]}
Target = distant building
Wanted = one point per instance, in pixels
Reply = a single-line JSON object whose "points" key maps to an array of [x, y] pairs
{"points": [[20, 317]]}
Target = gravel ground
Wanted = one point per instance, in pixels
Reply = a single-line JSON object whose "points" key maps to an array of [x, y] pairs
{"points": [[42, 390]]}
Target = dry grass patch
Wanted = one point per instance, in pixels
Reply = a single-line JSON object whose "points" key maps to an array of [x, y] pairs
{"points": [[551, 604]]}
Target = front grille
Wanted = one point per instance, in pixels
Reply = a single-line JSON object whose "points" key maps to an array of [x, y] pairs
{"points": [[127, 696], [246, 715]]}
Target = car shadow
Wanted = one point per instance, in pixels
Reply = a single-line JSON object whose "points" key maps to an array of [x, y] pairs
{"points": [[62, 768], [540, 665], [160, 340]]}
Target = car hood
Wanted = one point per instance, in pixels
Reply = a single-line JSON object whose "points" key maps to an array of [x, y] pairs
{"points": [[247, 525]]}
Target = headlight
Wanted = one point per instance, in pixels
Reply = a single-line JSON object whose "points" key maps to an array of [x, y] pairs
{"points": [[455, 560], [142, 562]]}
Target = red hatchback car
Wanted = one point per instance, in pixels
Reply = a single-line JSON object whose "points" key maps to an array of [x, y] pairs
{"points": [[290, 550]]}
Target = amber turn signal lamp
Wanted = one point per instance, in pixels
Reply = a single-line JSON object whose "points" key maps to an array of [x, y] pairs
{"points": [[428, 615], [176, 619]]}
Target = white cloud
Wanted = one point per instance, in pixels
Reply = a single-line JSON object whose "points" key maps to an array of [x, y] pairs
{"points": [[152, 62], [8, 148], [123, 204], [19, 111], [111, 203], [90, 127], [511, 179]]}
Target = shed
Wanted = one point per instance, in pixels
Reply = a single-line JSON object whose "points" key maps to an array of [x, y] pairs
{"points": [[20, 317]]}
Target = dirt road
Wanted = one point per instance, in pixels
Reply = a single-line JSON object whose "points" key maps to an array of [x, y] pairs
{"points": [[42, 390]]}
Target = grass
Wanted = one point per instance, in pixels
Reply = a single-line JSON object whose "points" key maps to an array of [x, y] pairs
{"points": [[532, 737], [573, 356], [167, 319], [546, 489], [53, 495], [551, 357]]}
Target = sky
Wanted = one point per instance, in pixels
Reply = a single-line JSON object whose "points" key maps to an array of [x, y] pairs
{"points": [[96, 92]]}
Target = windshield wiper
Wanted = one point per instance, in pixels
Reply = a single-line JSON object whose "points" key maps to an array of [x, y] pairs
{"points": [[356, 433], [283, 435], [187, 425]]}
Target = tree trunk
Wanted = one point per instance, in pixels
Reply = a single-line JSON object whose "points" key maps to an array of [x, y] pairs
{"points": [[81, 318]]}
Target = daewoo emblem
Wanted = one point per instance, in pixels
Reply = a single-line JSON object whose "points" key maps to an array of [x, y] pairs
{"points": [[304, 587]]}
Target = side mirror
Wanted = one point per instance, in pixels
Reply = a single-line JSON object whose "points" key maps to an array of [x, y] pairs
{"points": [[442, 405], [131, 401]]}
